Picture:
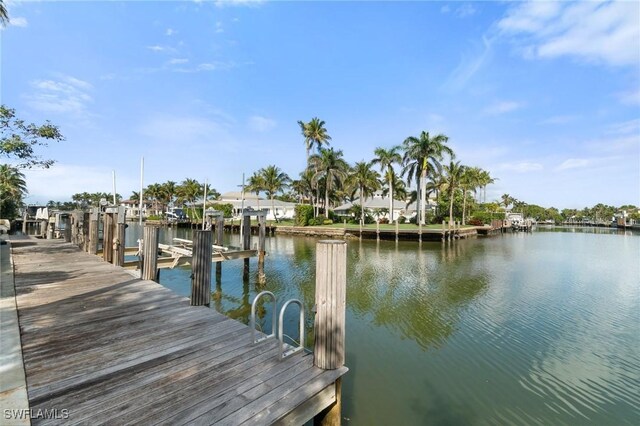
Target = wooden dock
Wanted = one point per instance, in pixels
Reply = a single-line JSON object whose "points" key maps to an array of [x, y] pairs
{"points": [[100, 346]]}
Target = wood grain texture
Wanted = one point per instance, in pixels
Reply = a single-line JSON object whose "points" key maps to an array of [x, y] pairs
{"points": [[113, 349]]}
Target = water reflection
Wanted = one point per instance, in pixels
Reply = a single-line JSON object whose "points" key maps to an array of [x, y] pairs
{"points": [[522, 328]]}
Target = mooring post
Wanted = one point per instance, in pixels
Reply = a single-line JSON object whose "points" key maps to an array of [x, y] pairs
{"points": [[85, 231], [262, 235], [329, 324], [107, 237], [67, 228], [150, 253], [444, 233], [201, 265], [245, 227], [219, 229], [119, 238], [378, 230], [93, 231], [74, 228], [419, 231]]}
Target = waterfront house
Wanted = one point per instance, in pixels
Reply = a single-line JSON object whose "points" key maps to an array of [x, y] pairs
{"points": [[378, 206], [281, 209]]}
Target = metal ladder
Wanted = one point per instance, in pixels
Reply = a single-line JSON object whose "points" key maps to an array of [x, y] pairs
{"points": [[274, 330]]}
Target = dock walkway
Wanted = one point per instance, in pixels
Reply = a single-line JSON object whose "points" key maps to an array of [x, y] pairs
{"points": [[100, 346]]}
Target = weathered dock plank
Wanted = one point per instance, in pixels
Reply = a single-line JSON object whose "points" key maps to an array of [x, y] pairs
{"points": [[109, 348]]}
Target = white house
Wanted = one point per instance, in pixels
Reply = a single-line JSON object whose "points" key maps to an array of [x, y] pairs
{"points": [[378, 202], [282, 209]]}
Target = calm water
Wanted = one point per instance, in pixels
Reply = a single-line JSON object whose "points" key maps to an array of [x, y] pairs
{"points": [[539, 328]]}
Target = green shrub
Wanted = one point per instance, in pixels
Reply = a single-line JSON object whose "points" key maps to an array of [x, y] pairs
{"points": [[483, 217], [327, 222], [413, 219], [303, 214], [402, 219], [475, 222], [226, 208], [383, 220], [154, 217]]}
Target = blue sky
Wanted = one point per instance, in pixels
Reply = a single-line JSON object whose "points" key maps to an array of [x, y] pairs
{"points": [[544, 95]]}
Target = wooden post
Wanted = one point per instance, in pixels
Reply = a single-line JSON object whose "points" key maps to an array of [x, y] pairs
{"points": [[24, 223], [74, 228], [150, 253], [86, 218], [444, 233], [419, 231], [201, 265], [107, 237], [219, 230], [67, 228], [377, 230], [119, 239], [246, 232], [262, 222], [329, 324], [94, 231]]}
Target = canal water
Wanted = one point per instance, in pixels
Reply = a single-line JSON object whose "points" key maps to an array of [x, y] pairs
{"points": [[539, 328]]}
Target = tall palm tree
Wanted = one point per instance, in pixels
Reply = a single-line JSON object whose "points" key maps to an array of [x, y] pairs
{"points": [[188, 192], [13, 188], [507, 200], [364, 180], [422, 156], [468, 183], [274, 180], [255, 184], [332, 167], [485, 179], [315, 134], [387, 158], [453, 175], [4, 15], [304, 186]]}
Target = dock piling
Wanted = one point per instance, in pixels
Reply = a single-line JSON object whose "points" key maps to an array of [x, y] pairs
{"points": [[201, 274], [329, 324], [93, 232], [150, 253], [107, 237]]}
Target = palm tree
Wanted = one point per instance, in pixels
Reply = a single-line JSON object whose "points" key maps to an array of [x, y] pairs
{"points": [[386, 158], [274, 180], [469, 183], [4, 15], [304, 186], [315, 134], [329, 165], [507, 200], [256, 184], [188, 192], [13, 188], [364, 180], [422, 156], [453, 175], [485, 179]]}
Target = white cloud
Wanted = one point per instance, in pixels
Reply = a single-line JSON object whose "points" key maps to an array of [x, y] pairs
{"points": [[223, 3], [18, 22], [599, 32], [503, 107], [170, 32], [219, 28], [630, 127], [573, 163], [175, 61], [560, 119], [67, 95], [71, 179], [165, 49], [261, 124], [445, 9], [521, 166], [632, 97], [465, 10], [469, 65]]}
